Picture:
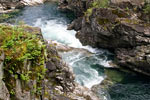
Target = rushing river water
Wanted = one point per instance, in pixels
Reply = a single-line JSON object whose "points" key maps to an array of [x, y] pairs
{"points": [[89, 68]]}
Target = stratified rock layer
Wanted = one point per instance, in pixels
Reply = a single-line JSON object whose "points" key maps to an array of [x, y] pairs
{"points": [[122, 26]]}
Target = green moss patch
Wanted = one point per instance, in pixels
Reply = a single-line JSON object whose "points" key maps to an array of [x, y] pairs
{"points": [[100, 3], [24, 56], [97, 4], [103, 21], [130, 21], [120, 14], [147, 9]]}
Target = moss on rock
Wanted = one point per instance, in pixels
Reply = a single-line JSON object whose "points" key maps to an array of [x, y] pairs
{"points": [[24, 56]]}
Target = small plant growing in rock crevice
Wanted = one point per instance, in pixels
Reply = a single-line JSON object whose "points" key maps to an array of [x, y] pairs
{"points": [[147, 9], [97, 4], [100, 4], [24, 56]]}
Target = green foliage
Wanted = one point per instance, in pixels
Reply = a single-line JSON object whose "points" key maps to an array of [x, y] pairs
{"points": [[103, 21], [147, 9], [38, 90], [25, 77], [24, 56], [100, 3], [97, 4], [89, 11], [5, 17], [12, 92]]}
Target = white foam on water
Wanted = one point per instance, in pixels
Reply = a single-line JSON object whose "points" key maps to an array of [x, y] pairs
{"points": [[104, 62], [58, 31], [77, 60], [92, 50], [54, 30], [81, 63], [95, 79]]}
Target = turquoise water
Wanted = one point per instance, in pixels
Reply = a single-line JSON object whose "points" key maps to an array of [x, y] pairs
{"points": [[53, 24], [128, 86], [88, 65]]}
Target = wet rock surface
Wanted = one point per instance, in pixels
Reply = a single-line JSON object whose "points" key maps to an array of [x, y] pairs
{"points": [[120, 27], [7, 6], [123, 84], [56, 84], [77, 6], [4, 94], [138, 56]]}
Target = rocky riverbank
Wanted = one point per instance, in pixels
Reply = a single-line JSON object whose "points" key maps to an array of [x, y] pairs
{"points": [[10, 8], [10, 5], [121, 26], [31, 68]]}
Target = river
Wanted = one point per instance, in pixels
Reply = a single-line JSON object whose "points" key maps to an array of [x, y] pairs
{"points": [[89, 69]]}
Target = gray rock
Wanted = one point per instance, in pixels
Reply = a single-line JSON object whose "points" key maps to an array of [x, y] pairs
{"points": [[4, 93], [136, 59], [125, 31]]}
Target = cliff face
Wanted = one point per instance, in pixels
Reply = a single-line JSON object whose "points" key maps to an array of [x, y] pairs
{"points": [[23, 58], [31, 69], [77, 6], [119, 25], [9, 4]]}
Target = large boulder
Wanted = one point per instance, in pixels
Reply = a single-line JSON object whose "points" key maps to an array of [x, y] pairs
{"points": [[109, 28], [4, 93], [123, 27], [77, 6], [137, 58], [10, 5]]}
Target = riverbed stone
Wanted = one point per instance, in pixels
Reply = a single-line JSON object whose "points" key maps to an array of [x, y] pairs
{"points": [[4, 93]]}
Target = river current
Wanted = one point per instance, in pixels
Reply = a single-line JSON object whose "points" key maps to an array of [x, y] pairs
{"points": [[90, 68]]}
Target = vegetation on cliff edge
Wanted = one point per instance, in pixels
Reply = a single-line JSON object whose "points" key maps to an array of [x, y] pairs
{"points": [[24, 56]]}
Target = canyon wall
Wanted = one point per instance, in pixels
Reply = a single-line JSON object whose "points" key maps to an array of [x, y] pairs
{"points": [[122, 26]]}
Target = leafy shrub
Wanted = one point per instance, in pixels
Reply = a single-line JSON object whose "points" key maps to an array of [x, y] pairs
{"points": [[147, 9], [21, 47], [100, 3], [97, 4], [89, 11]]}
